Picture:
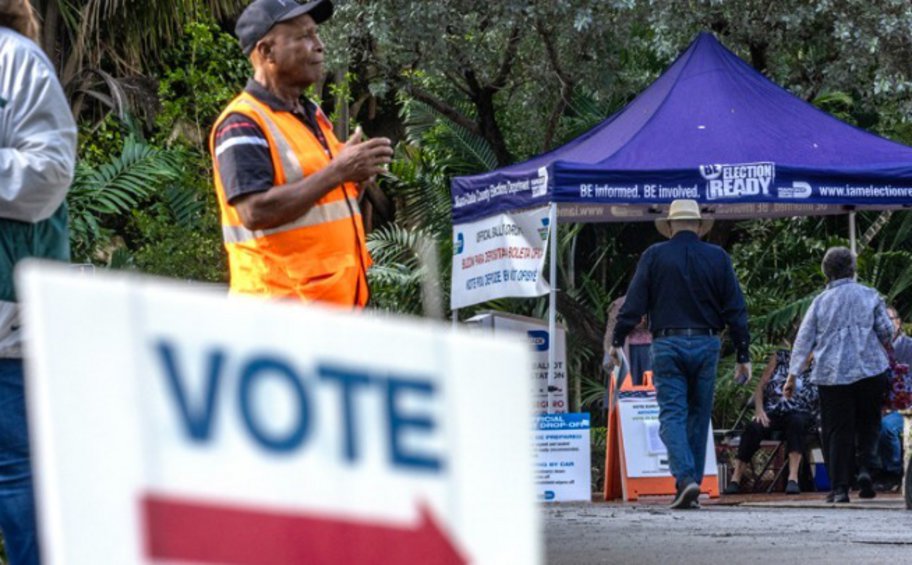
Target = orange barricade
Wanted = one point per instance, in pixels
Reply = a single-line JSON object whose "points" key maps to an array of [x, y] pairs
{"points": [[617, 483]]}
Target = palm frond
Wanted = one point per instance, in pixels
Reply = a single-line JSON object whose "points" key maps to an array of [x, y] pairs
{"points": [[468, 153], [780, 320], [183, 204], [115, 188], [421, 183]]}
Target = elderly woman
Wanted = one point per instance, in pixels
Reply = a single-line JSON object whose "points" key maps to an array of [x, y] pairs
{"points": [[850, 335]]}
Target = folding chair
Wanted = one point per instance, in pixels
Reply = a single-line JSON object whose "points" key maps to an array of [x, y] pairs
{"points": [[776, 447]]}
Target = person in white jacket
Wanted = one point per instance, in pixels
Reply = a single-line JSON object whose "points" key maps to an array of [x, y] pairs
{"points": [[37, 155]]}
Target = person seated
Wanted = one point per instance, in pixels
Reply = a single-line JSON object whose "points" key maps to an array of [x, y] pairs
{"points": [[772, 411], [889, 446]]}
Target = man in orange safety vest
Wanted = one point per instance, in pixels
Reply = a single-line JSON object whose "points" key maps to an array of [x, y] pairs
{"points": [[287, 189]]}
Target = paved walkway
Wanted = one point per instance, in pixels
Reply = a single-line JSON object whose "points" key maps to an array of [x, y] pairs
{"points": [[755, 529]]}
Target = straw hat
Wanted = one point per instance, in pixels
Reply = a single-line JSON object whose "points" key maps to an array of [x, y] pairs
{"points": [[683, 210]]}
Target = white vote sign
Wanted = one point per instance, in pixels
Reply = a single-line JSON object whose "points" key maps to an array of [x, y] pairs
{"points": [[179, 426]]}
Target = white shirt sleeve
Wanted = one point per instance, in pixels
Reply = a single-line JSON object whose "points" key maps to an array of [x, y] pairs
{"points": [[37, 133]]}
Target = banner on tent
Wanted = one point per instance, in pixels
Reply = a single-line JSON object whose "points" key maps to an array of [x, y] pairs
{"points": [[733, 184], [499, 256], [499, 193], [733, 191]]}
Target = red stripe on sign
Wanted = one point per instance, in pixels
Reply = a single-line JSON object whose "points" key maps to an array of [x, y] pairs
{"points": [[211, 533]]}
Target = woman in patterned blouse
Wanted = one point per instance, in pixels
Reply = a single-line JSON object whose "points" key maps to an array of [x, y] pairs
{"points": [[772, 412], [850, 335]]}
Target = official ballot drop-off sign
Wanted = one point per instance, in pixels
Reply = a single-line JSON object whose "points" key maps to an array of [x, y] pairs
{"points": [[499, 256], [179, 426]]}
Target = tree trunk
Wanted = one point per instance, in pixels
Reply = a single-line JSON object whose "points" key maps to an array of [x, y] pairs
{"points": [[49, 33], [758, 55], [490, 129]]}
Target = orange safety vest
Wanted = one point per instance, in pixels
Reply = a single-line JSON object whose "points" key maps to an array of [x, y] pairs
{"points": [[320, 256]]}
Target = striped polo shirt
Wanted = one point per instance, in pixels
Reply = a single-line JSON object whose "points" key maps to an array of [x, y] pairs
{"points": [[242, 150]]}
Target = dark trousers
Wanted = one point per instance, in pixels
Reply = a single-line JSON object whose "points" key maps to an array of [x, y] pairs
{"points": [[640, 362], [850, 414], [17, 502], [685, 378], [793, 424]]}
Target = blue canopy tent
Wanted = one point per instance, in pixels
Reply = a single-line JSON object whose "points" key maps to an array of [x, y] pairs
{"points": [[713, 129]]}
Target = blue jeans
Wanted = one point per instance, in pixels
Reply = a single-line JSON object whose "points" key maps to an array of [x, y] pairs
{"points": [[684, 371], [17, 502], [890, 445]]}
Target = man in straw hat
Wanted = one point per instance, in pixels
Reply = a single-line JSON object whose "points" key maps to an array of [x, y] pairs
{"points": [[689, 291], [37, 154]]}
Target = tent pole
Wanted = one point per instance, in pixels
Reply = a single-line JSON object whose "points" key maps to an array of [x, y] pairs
{"points": [[455, 317], [552, 301], [853, 245]]}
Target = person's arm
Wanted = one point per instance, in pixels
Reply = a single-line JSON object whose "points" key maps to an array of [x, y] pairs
{"points": [[883, 328], [613, 311], [357, 161], [38, 144], [805, 340], [759, 410], [636, 301]]}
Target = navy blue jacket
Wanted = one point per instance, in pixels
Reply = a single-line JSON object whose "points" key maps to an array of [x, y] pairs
{"points": [[686, 283]]}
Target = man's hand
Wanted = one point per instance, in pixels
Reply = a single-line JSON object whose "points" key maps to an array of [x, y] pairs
{"points": [[615, 355], [788, 389], [360, 160], [760, 416], [742, 373]]}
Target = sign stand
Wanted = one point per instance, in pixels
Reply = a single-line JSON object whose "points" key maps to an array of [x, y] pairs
{"points": [[620, 481]]}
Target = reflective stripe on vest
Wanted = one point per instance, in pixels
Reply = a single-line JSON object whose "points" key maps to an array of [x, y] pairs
{"points": [[318, 214]]}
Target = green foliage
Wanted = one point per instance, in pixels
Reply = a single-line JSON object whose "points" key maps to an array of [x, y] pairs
{"points": [[178, 233], [597, 440], [181, 249], [778, 264], [200, 75], [464, 152], [101, 194], [837, 104], [398, 272], [97, 143]]}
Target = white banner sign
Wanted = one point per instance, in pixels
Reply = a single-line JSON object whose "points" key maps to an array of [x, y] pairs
{"points": [[179, 426], [562, 457], [500, 256]]}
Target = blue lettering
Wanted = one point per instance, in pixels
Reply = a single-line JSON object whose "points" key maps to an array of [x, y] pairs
{"points": [[197, 420], [348, 381], [260, 367], [197, 415], [399, 423]]}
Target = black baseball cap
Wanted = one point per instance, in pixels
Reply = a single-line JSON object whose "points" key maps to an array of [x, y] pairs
{"points": [[258, 18]]}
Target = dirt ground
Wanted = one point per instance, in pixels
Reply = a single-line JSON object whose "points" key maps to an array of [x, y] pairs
{"points": [[760, 529]]}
